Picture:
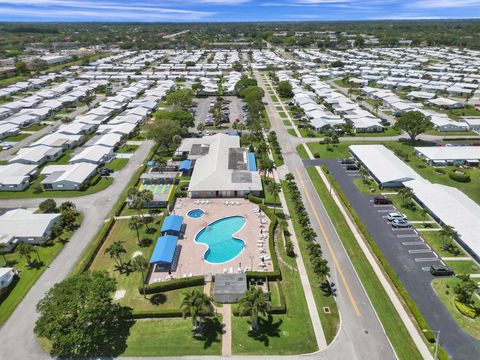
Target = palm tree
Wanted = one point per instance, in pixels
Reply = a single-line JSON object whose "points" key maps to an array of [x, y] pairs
{"points": [[308, 234], [25, 250], [274, 189], [3, 250], [406, 194], [423, 213], [364, 174], [198, 305], [115, 251], [162, 163], [140, 264], [321, 268], [289, 177], [448, 233], [254, 302], [136, 223]]}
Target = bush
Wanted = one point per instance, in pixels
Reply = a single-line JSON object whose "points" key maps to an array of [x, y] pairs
{"points": [[255, 199], [316, 155], [440, 171], [166, 313], [463, 178], [172, 285], [466, 310]]}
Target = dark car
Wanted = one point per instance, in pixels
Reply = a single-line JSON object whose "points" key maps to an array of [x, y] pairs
{"points": [[381, 200], [104, 172], [352, 167], [440, 270], [347, 161]]}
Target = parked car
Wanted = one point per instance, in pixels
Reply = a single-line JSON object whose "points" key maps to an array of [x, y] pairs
{"points": [[400, 223], [381, 200], [104, 172], [440, 270], [5, 146], [396, 215], [352, 167], [347, 161]]}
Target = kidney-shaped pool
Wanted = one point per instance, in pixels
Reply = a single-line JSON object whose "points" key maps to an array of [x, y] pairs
{"points": [[222, 246]]}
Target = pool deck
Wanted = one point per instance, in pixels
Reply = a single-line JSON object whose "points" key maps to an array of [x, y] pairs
{"points": [[191, 256]]}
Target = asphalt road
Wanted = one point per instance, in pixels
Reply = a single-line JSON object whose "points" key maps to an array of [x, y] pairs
{"points": [[18, 340], [361, 335], [410, 258]]}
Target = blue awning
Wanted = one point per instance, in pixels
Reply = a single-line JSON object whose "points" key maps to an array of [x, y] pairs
{"points": [[151, 163], [172, 223], [164, 250], [252, 164], [185, 165]]}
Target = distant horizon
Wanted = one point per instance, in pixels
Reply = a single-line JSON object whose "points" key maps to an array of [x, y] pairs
{"points": [[234, 11]]}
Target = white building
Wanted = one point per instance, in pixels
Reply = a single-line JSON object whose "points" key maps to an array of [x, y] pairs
{"points": [[67, 177]]}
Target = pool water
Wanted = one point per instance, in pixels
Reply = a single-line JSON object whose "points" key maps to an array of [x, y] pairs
{"points": [[196, 213], [218, 236]]}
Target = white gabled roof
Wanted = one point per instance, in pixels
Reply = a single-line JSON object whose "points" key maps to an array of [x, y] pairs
{"points": [[94, 153], [25, 223], [75, 173], [450, 152]]}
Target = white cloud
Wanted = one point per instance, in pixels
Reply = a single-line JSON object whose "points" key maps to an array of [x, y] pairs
{"points": [[429, 4]]}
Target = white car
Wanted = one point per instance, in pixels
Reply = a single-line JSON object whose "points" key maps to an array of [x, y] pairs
{"points": [[396, 216]]}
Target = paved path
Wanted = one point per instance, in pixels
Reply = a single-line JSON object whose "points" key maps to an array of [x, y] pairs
{"points": [[226, 311], [18, 339]]}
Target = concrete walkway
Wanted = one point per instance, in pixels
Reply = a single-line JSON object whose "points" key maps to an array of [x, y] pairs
{"points": [[226, 311]]}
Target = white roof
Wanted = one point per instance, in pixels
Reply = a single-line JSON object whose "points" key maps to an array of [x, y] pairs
{"points": [[110, 140], [75, 173], [25, 223], [94, 153], [450, 152], [383, 163], [34, 154]]}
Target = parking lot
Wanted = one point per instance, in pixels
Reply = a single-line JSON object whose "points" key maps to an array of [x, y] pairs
{"points": [[408, 254], [233, 109]]}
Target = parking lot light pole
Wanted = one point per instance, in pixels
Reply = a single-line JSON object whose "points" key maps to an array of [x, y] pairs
{"points": [[437, 340]]}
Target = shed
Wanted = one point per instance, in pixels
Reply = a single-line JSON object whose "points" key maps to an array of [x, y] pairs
{"points": [[229, 287]]}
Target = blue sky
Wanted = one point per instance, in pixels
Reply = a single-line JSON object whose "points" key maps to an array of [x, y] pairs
{"points": [[234, 10]]}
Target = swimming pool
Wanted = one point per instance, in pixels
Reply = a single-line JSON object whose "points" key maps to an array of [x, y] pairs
{"points": [[196, 213], [218, 237]]}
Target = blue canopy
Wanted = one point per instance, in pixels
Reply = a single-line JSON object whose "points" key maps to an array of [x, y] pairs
{"points": [[172, 223], [185, 165], [252, 164], [164, 249], [151, 163]]}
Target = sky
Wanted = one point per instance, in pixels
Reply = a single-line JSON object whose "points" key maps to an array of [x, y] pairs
{"points": [[234, 10]]}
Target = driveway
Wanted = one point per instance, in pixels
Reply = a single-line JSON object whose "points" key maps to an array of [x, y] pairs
{"points": [[410, 258]]}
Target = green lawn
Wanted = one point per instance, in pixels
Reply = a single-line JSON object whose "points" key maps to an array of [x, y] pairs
{"points": [[279, 334], [35, 127], [396, 331], [171, 337], [451, 133], [388, 131], [117, 164], [16, 138], [463, 266], [333, 151], [30, 192], [64, 159], [436, 241], [331, 321], [282, 114], [126, 149], [444, 289], [309, 133], [292, 132], [29, 275], [412, 213], [367, 188]]}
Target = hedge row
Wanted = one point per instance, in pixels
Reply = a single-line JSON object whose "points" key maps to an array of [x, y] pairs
{"points": [[385, 264], [463, 178], [465, 310], [172, 284], [147, 314]]}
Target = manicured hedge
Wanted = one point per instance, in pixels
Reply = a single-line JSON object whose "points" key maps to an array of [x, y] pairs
{"points": [[255, 199], [465, 310], [172, 284], [463, 178], [422, 323]]}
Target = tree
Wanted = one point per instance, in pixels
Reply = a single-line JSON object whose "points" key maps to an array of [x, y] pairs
{"points": [[21, 68], [253, 303], [67, 205], [244, 82], [181, 99], [25, 250], [364, 174], [3, 250], [48, 206], [465, 289], [68, 219], [284, 89], [447, 233], [136, 223], [327, 140], [423, 213], [89, 98], [274, 189], [115, 252], [289, 177], [321, 268], [162, 131], [406, 194], [413, 123], [198, 305], [184, 118], [90, 325], [140, 264]]}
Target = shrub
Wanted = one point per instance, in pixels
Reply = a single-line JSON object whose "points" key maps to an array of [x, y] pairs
{"points": [[165, 313], [465, 310], [440, 171], [172, 285], [316, 155], [463, 178]]}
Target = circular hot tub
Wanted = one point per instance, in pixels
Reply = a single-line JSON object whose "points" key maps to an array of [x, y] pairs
{"points": [[196, 213]]}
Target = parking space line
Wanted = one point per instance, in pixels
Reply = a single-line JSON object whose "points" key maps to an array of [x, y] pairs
{"points": [[401, 229], [427, 259], [384, 210], [419, 251], [407, 235], [426, 268], [408, 243]]}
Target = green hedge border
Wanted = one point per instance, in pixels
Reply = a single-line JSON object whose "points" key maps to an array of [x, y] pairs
{"points": [[173, 284]]}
